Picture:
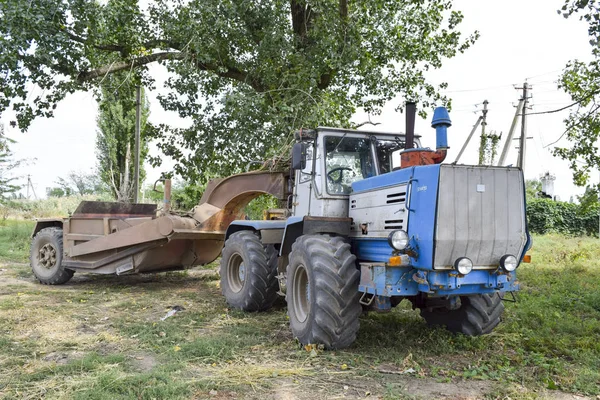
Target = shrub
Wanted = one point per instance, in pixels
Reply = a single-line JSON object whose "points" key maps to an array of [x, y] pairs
{"points": [[545, 216]]}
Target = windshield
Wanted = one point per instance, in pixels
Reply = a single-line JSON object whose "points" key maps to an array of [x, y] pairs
{"points": [[348, 159], [388, 154]]}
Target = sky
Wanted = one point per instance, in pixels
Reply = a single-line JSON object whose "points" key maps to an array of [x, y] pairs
{"points": [[521, 40]]}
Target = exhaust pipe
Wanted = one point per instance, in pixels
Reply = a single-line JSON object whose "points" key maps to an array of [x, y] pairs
{"points": [[440, 122], [411, 112], [411, 157]]}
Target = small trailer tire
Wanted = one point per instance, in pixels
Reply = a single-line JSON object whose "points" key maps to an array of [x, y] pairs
{"points": [[477, 315], [249, 272], [322, 291], [46, 256]]}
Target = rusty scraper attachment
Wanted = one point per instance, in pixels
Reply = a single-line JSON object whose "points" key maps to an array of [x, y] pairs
{"points": [[105, 237], [412, 157]]}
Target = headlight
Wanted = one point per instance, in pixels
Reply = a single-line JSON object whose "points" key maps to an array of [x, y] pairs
{"points": [[463, 265], [398, 239], [509, 263]]}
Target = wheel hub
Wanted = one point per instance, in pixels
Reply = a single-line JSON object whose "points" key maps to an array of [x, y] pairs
{"points": [[301, 294], [47, 256], [236, 272], [242, 272]]}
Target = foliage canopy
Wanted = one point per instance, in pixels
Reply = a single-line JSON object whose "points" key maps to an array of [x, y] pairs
{"points": [[244, 74], [581, 81]]}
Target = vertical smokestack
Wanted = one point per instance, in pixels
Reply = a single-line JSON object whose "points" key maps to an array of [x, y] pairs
{"points": [[411, 111]]}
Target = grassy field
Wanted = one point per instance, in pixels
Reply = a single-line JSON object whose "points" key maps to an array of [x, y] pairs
{"points": [[102, 338]]}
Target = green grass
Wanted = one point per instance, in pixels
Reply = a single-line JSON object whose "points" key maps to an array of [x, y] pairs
{"points": [[15, 237], [101, 337]]}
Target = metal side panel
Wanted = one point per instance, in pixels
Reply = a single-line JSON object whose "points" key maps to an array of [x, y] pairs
{"points": [[480, 215], [376, 213]]}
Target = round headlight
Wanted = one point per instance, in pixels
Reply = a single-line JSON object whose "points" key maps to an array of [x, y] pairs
{"points": [[463, 265], [509, 263], [398, 239]]}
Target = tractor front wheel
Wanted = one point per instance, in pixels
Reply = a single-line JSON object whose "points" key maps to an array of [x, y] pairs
{"points": [[322, 291], [477, 315], [46, 256], [249, 272]]}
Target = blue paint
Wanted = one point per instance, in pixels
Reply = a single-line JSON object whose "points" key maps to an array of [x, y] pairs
{"points": [[372, 249], [380, 280], [423, 209], [381, 181], [423, 182], [441, 122]]}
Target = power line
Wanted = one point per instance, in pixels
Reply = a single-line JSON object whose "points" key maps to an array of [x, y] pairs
{"points": [[556, 110], [565, 107], [543, 74]]}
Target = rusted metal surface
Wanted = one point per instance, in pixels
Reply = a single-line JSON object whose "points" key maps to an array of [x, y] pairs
{"points": [[412, 158], [99, 209], [149, 231], [227, 189], [105, 237], [230, 195]]}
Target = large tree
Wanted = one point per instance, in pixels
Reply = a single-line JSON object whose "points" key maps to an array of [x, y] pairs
{"points": [[245, 74], [115, 141], [581, 80]]}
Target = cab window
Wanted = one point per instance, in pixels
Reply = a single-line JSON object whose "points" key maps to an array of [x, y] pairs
{"points": [[388, 154], [348, 159]]}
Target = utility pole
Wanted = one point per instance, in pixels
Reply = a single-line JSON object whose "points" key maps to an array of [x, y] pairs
{"points": [[511, 133], [480, 120], [482, 139], [30, 185], [523, 139], [136, 179]]}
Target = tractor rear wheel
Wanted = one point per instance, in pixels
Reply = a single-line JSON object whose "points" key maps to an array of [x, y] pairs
{"points": [[322, 291], [249, 272], [477, 315], [46, 256]]}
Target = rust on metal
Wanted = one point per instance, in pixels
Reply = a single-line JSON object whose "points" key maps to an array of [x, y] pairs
{"points": [[104, 237], [224, 190], [412, 158], [224, 199], [99, 209]]}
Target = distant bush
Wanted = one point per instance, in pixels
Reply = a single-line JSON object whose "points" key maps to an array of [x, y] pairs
{"points": [[546, 216]]}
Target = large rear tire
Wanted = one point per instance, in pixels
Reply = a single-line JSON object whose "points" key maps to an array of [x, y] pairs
{"points": [[249, 272], [46, 256], [477, 315], [322, 291]]}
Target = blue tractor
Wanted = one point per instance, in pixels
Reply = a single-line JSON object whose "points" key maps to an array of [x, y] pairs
{"points": [[375, 219]]}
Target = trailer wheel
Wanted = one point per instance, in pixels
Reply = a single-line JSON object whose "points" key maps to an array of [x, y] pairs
{"points": [[322, 291], [46, 255], [477, 315], [249, 272]]}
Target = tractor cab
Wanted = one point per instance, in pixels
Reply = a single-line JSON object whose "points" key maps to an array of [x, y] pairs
{"points": [[330, 160]]}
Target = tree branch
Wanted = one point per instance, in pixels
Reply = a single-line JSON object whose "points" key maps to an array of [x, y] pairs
{"points": [[222, 71], [86, 76]]}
